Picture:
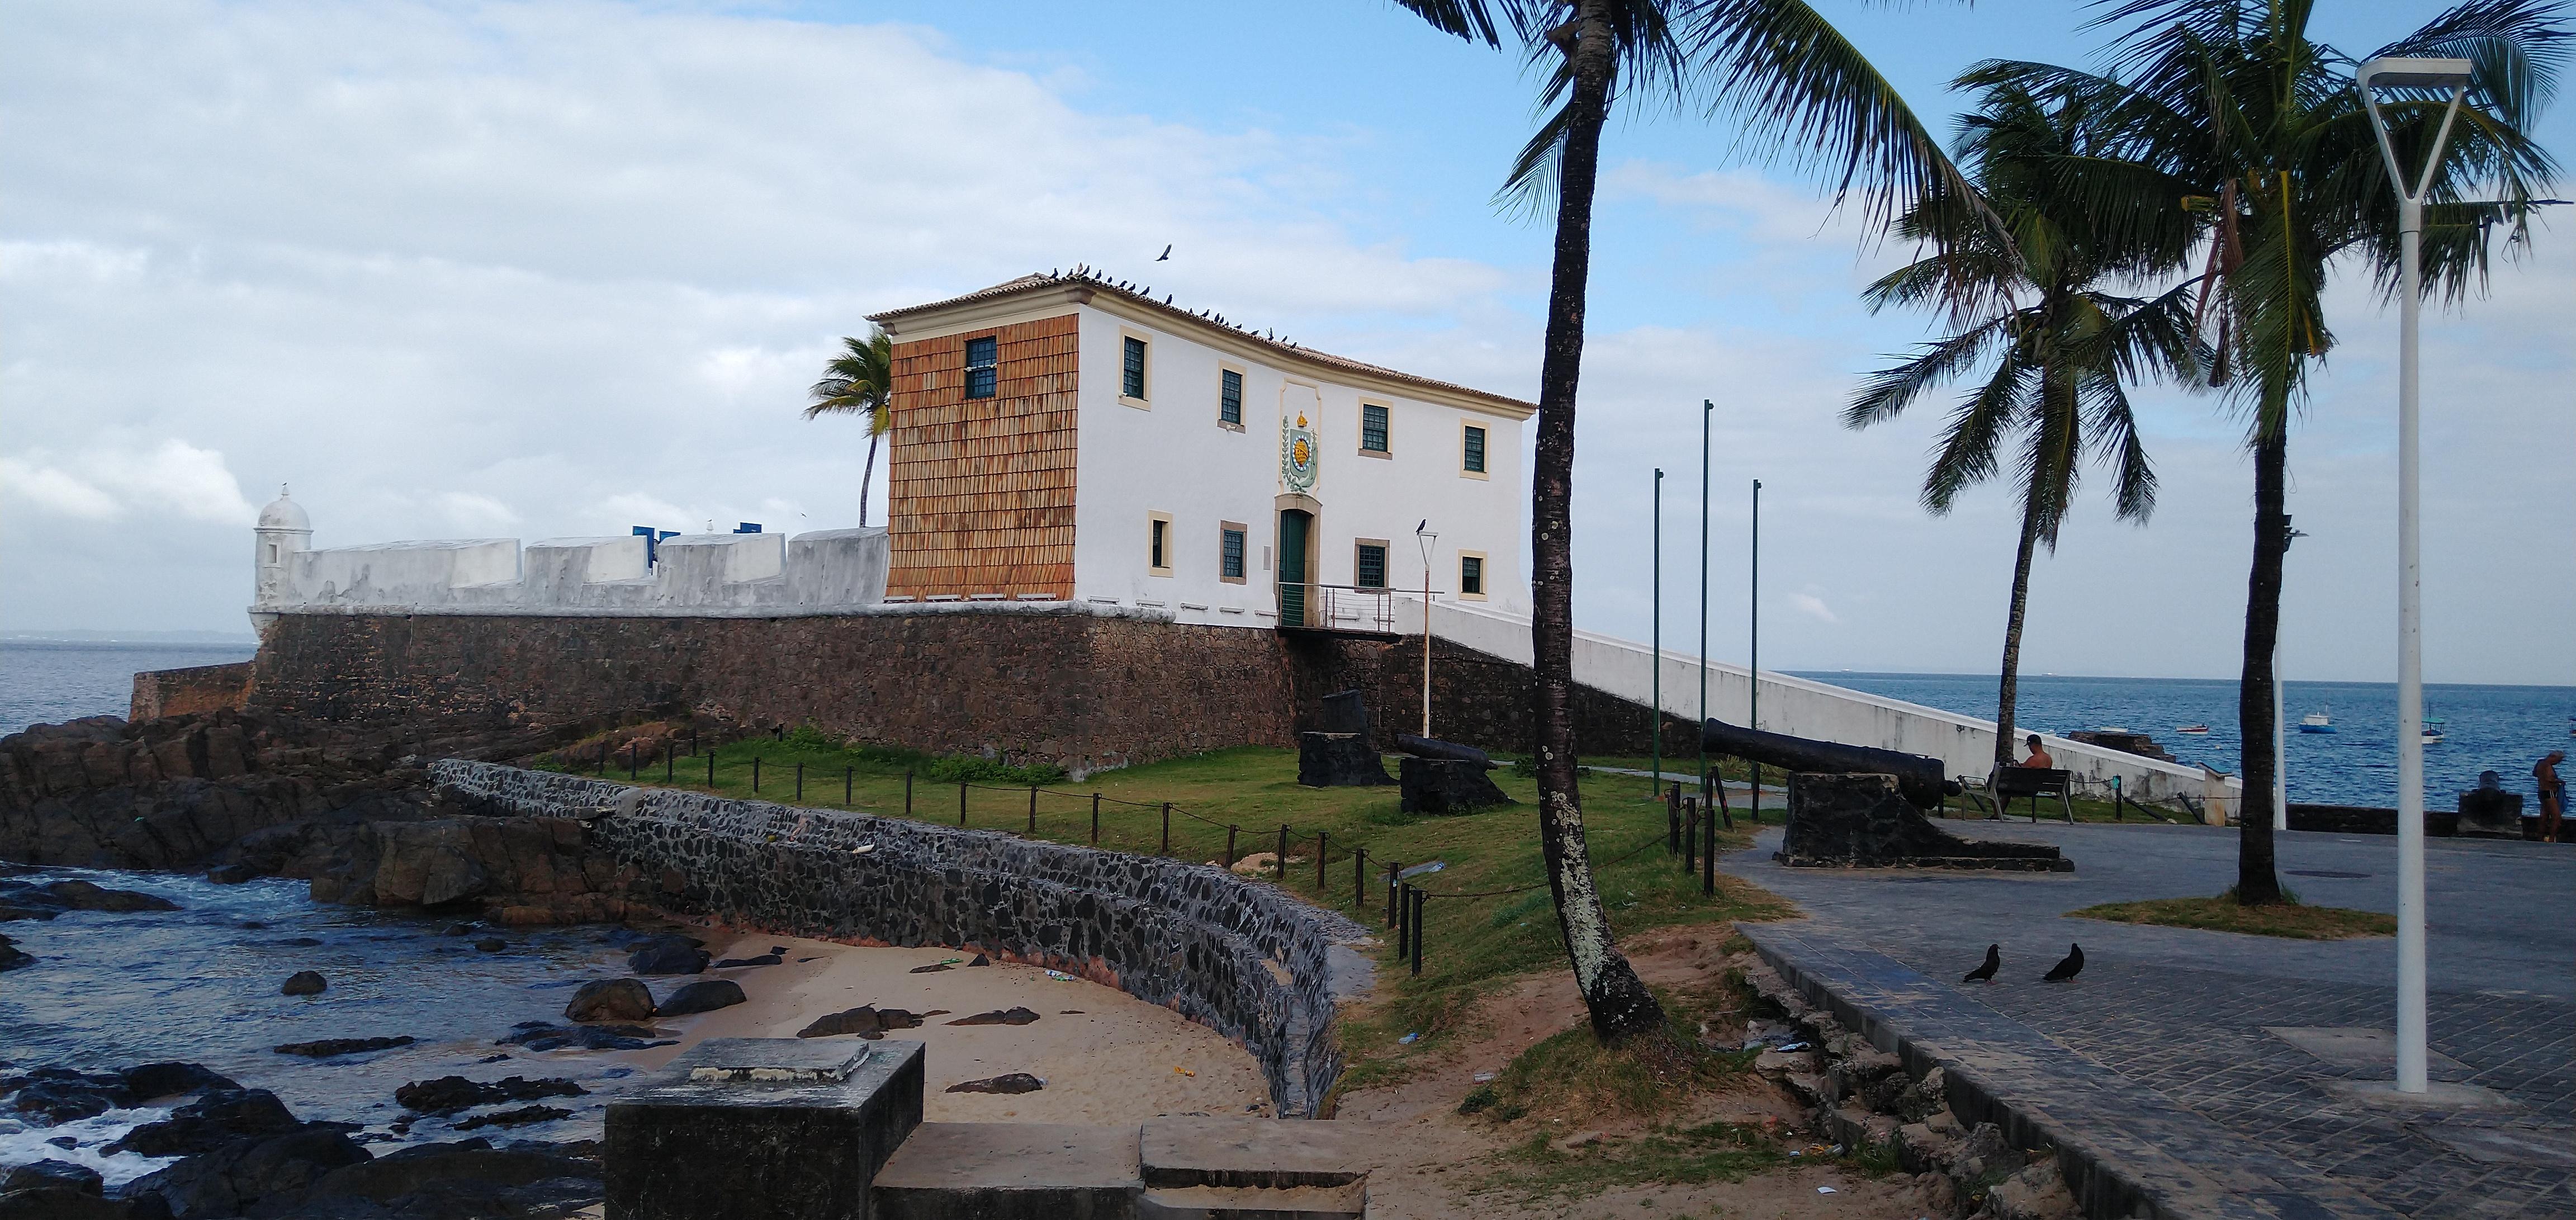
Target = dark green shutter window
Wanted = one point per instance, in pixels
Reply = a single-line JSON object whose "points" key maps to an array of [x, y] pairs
{"points": [[1134, 386], [1159, 527], [1230, 555], [1373, 429], [1471, 575], [1229, 396], [1372, 567], [983, 358], [1475, 450]]}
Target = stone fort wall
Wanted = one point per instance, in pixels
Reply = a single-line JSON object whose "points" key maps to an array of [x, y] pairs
{"points": [[1237, 956]]}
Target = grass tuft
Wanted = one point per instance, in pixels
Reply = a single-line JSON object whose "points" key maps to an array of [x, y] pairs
{"points": [[2223, 914]]}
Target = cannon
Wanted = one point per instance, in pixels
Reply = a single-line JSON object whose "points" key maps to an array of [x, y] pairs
{"points": [[1919, 778], [1445, 777], [1447, 751]]}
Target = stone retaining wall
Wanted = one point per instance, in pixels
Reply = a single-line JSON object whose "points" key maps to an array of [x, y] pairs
{"points": [[1237, 956], [190, 691]]}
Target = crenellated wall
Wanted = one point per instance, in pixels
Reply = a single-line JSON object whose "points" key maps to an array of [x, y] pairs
{"points": [[1239, 957], [694, 574]]}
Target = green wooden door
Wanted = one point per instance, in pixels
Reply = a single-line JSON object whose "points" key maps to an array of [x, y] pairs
{"points": [[1293, 589]]}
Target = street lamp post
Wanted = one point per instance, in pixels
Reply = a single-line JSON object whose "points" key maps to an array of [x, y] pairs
{"points": [[1423, 537], [2433, 75], [1706, 409], [1655, 767]]}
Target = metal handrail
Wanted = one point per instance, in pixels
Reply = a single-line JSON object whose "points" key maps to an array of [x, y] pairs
{"points": [[1316, 606]]}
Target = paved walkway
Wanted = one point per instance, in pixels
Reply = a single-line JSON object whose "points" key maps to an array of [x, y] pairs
{"points": [[2190, 1015]]}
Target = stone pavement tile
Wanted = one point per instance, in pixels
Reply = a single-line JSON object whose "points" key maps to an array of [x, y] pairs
{"points": [[2129, 1144]]}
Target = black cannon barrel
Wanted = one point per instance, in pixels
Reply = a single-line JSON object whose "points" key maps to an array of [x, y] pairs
{"points": [[1430, 747], [1917, 776]]}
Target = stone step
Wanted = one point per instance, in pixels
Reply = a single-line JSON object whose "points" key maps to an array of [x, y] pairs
{"points": [[1253, 1152], [1348, 1202], [1011, 1171]]}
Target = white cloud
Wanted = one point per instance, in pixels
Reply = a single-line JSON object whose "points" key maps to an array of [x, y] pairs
{"points": [[173, 478], [1814, 607]]}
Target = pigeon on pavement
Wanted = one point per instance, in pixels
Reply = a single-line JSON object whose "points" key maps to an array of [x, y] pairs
{"points": [[2072, 966], [1986, 973]]}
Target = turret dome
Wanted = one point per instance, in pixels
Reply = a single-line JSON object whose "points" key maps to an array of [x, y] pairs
{"points": [[285, 514]]}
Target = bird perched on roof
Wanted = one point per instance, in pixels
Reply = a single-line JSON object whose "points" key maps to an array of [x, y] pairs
{"points": [[2072, 966], [1165, 256], [1986, 972]]}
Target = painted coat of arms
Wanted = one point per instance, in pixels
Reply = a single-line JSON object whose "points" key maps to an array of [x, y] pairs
{"points": [[1298, 455]]}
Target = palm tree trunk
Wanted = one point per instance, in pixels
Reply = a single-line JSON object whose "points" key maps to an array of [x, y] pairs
{"points": [[1617, 999], [867, 475], [2256, 883], [2011, 686]]}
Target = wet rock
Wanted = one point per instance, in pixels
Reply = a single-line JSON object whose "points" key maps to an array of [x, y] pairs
{"points": [[232, 874], [491, 944], [13, 911], [55, 1175], [765, 959], [449, 1094], [216, 1118], [520, 1117], [610, 1000], [668, 955], [1008, 1082], [466, 1178], [547, 1036], [64, 1203], [12, 957], [327, 1047], [1006, 1016], [304, 982], [150, 1080], [90, 896], [270, 1175], [706, 996], [60, 1095]]}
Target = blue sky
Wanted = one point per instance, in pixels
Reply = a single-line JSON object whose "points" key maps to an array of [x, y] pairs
{"points": [[550, 269]]}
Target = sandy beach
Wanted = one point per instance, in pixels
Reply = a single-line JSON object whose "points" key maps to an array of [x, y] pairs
{"points": [[1106, 1057]]}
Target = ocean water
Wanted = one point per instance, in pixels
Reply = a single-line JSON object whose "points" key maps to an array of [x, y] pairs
{"points": [[2504, 729], [49, 682], [112, 990]]}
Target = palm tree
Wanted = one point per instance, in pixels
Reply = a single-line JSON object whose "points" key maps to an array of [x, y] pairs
{"points": [[2027, 295], [1777, 64], [860, 379], [2233, 96]]}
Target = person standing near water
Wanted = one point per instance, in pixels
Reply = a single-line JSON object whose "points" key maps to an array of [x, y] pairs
{"points": [[2553, 794]]}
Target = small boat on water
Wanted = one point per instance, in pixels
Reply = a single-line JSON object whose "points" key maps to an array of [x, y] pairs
{"points": [[2193, 730], [2431, 734], [2317, 722]]}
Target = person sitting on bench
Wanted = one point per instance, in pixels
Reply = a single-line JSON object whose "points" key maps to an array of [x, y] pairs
{"points": [[2039, 759]]}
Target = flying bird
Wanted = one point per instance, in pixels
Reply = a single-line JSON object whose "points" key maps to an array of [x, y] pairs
{"points": [[1165, 256], [1986, 972], [2072, 966]]}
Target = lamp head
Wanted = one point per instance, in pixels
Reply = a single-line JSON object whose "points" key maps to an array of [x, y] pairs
{"points": [[2414, 72]]}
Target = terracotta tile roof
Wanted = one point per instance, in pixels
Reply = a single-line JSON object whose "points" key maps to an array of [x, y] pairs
{"points": [[1286, 352]]}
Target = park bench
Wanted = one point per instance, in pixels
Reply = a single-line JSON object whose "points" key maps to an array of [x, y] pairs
{"points": [[2031, 783]]}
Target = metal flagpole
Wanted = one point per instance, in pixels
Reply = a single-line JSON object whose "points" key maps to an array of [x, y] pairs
{"points": [[1753, 649], [1655, 783], [1706, 409]]}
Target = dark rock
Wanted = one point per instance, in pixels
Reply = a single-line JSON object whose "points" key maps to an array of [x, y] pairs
{"points": [[932, 968], [1338, 760], [862, 1020], [12, 957], [611, 1000], [303, 982], [328, 1047], [449, 1094], [1447, 785], [706, 996], [13, 911], [458, 929], [778, 949], [232, 874], [62, 1175], [419, 1173], [520, 1117], [545, 1036], [268, 1174], [1864, 821], [491, 944], [68, 1203], [151, 1080], [668, 955], [980, 960], [1008, 1082], [88, 896], [765, 959], [216, 1118], [59, 1095], [1006, 1016]]}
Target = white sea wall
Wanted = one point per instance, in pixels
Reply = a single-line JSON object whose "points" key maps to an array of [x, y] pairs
{"points": [[686, 574]]}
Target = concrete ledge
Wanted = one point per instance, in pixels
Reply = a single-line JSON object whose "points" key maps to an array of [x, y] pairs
{"points": [[1252, 1152], [1011, 1171], [2125, 1149], [782, 1145]]}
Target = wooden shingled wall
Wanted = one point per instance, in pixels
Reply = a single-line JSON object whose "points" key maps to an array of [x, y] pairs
{"points": [[980, 490]]}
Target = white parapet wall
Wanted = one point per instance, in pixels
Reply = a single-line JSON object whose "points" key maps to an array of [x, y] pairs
{"points": [[819, 572], [1803, 708]]}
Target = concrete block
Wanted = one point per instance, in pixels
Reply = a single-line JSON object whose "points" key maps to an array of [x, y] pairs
{"points": [[1239, 1152], [1011, 1171], [763, 1129], [1255, 1203]]}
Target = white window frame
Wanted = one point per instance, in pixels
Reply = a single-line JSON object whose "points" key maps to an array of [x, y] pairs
{"points": [[1488, 472], [1484, 575], [1165, 520]]}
